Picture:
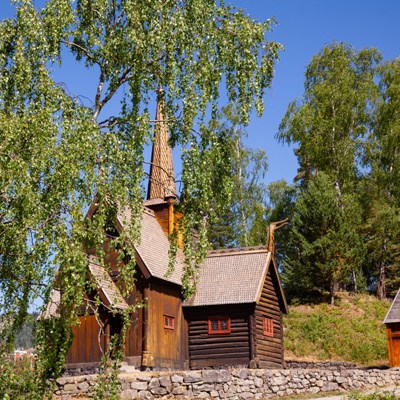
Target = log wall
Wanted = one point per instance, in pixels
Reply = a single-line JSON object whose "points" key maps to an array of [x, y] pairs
{"points": [[209, 350], [268, 351]]}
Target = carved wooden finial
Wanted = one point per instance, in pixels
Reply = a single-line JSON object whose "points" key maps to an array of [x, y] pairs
{"points": [[271, 230]]}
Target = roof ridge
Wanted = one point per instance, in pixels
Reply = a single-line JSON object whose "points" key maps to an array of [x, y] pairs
{"points": [[237, 250]]}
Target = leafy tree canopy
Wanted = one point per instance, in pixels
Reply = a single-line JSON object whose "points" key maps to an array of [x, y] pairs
{"points": [[381, 157], [57, 154], [246, 169], [334, 113], [329, 126]]}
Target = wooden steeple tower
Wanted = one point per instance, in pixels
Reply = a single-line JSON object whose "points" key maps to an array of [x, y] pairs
{"points": [[162, 178], [161, 192]]}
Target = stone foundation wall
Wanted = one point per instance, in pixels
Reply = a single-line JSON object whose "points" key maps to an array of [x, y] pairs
{"points": [[233, 384], [319, 365]]}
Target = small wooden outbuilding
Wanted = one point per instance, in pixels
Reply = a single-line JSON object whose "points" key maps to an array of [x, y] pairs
{"points": [[235, 317], [392, 322]]}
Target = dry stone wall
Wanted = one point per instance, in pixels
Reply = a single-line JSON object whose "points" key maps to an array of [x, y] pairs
{"points": [[233, 384]]}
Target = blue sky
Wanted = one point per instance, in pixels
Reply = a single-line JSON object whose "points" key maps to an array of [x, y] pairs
{"points": [[304, 27]]}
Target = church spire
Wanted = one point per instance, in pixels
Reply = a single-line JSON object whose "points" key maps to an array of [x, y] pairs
{"points": [[162, 178]]}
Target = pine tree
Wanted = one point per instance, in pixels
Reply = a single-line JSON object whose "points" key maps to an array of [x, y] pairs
{"points": [[326, 250], [281, 201]]}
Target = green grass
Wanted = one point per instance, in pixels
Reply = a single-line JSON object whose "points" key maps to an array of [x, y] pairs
{"points": [[352, 331], [385, 395]]}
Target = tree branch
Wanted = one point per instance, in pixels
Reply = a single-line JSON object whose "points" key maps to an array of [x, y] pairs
{"points": [[121, 80], [78, 46]]}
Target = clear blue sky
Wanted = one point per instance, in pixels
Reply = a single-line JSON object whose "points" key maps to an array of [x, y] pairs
{"points": [[304, 27]]}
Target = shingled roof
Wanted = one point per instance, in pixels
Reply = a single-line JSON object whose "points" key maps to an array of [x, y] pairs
{"points": [[231, 276], [228, 276], [393, 314], [51, 309], [153, 249], [108, 290]]}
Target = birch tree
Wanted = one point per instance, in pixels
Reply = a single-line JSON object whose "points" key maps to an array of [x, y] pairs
{"points": [[382, 184], [328, 126], [58, 152]]}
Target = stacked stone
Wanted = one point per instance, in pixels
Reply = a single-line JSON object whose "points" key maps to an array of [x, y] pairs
{"points": [[318, 365], [234, 384]]}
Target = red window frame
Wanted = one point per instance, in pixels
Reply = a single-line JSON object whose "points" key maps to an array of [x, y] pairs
{"points": [[268, 326], [219, 325], [169, 322]]}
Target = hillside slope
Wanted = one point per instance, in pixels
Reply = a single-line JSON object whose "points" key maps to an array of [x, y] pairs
{"points": [[352, 330]]}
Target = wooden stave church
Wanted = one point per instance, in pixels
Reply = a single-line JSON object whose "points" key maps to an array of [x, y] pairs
{"points": [[234, 318]]}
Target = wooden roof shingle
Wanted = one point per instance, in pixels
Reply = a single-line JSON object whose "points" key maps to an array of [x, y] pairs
{"points": [[108, 289], [51, 309], [153, 249], [161, 177], [393, 314], [231, 276]]}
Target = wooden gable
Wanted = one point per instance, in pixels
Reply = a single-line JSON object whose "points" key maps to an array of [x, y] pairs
{"points": [[267, 326]]}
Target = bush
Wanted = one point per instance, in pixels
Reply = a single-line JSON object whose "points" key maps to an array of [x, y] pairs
{"points": [[351, 331], [18, 380]]}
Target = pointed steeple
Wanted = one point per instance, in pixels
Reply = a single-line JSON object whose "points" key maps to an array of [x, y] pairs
{"points": [[162, 178]]}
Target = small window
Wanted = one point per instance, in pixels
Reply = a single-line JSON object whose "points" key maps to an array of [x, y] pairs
{"points": [[268, 326], [219, 325], [169, 322]]}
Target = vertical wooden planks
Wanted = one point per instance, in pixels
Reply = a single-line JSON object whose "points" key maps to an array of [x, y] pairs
{"points": [[85, 347], [393, 335], [167, 348]]}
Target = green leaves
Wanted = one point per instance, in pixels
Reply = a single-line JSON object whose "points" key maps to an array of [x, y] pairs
{"points": [[57, 155], [236, 181], [346, 128], [330, 121], [382, 184]]}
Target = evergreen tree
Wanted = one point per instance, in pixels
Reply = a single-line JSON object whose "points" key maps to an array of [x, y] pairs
{"points": [[281, 201], [326, 248]]}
